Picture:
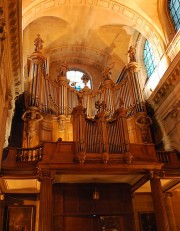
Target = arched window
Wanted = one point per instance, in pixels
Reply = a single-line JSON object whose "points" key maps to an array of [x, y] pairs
{"points": [[149, 59], [174, 8], [75, 79]]}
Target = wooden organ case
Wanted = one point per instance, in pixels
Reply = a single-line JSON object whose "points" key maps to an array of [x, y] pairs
{"points": [[108, 125]]}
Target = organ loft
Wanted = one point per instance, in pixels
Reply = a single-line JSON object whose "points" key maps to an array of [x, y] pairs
{"points": [[103, 123], [100, 152]]}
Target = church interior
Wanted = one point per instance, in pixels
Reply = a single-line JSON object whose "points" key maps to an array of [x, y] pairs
{"points": [[89, 115]]}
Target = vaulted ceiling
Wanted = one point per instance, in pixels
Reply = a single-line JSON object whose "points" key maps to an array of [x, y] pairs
{"points": [[89, 34]]}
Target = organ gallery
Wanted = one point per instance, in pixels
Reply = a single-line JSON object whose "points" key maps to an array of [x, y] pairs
{"points": [[89, 116]]}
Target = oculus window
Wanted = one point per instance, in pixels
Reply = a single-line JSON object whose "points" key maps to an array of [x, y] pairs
{"points": [[174, 8], [75, 77], [149, 59]]}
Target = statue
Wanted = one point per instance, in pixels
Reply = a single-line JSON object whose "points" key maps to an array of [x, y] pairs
{"points": [[106, 73], [80, 97], [62, 70], [38, 43], [143, 122], [31, 118], [132, 52]]}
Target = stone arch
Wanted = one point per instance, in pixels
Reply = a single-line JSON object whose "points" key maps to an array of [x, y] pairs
{"points": [[141, 23], [166, 21]]}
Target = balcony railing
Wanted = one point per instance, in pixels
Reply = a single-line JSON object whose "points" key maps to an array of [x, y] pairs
{"points": [[29, 154], [169, 158]]}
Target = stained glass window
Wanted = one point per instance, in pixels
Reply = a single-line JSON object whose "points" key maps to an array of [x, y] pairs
{"points": [[75, 79], [174, 7], [149, 58]]}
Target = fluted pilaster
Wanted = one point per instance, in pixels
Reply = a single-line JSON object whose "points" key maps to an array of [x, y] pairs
{"points": [[170, 213], [45, 211], [159, 205]]}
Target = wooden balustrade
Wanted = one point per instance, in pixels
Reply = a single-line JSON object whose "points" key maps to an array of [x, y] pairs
{"points": [[169, 158], [163, 157], [67, 152], [29, 154]]}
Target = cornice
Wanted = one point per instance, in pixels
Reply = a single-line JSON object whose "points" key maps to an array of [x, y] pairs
{"points": [[14, 29], [167, 84]]}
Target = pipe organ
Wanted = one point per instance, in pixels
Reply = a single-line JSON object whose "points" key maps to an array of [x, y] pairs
{"points": [[102, 121]]}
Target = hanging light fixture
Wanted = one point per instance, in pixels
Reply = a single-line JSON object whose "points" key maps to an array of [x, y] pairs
{"points": [[95, 192]]}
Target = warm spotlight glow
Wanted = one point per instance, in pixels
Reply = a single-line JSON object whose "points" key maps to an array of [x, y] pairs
{"points": [[95, 195]]}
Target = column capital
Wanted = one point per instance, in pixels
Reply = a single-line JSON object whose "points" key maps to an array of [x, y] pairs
{"points": [[46, 174], [168, 194], [156, 174]]}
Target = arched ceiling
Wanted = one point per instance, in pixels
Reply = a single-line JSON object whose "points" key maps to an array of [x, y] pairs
{"points": [[90, 34]]}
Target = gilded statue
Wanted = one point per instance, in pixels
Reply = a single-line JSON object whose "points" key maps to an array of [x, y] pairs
{"points": [[31, 117]]}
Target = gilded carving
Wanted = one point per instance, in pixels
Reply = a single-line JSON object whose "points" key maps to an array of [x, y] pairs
{"points": [[128, 157]]}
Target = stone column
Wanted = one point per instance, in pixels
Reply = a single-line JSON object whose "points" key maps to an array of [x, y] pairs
{"points": [[170, 213], [159, 205], [45, 210]]}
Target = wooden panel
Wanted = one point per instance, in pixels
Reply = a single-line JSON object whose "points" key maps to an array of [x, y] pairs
{"points": [[1, 214], [64, 152], [57, 199], [78, 223], [77, 199], [71, 203], [79, 208], [114, 199], [85, 200], [58, 224]]}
